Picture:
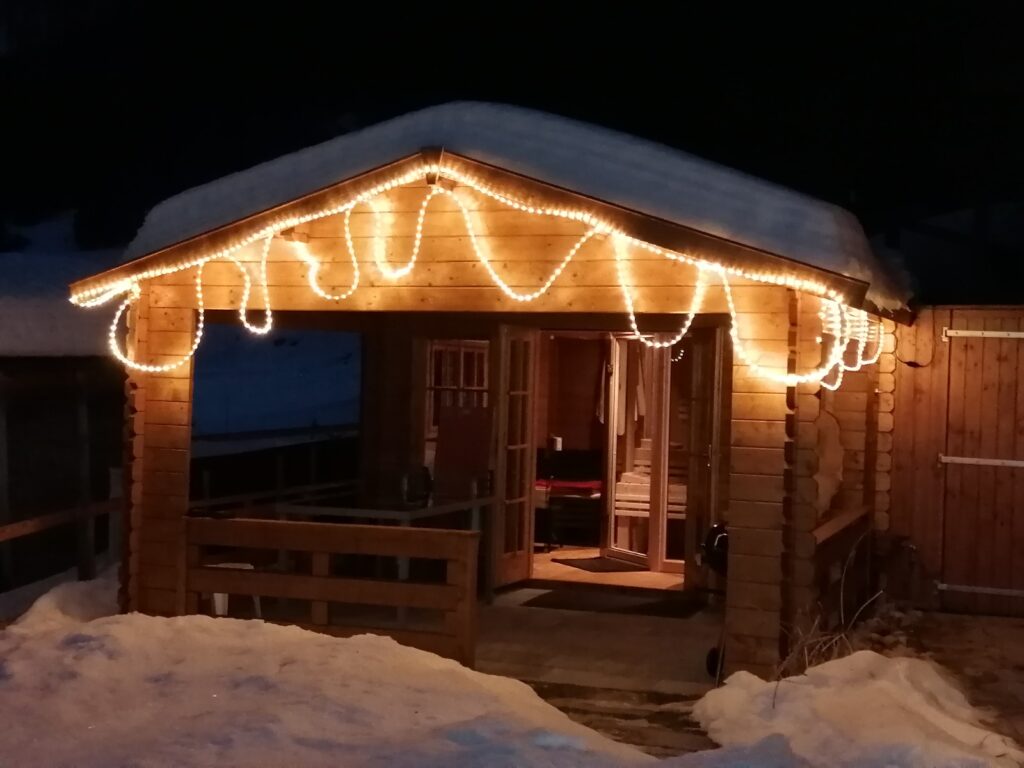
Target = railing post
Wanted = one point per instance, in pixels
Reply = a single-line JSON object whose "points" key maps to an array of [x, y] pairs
{"points": [[191, 561], [319, 608], [86, 522]]}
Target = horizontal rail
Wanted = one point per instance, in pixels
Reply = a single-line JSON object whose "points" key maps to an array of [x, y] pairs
{"points": [[54, 519], [838, 524], [386, 541], [952, 333], [977, 462], [1000, 591], [296, 586], [415, 513], [307, 491]]}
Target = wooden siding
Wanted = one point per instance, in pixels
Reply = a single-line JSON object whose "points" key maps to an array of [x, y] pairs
{"points": [[448, 276], [758, 443], [831, 482], [959, 397], [158, 439]]}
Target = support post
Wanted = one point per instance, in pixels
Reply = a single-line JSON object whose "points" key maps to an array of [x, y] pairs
{"points": [[86, 523]]}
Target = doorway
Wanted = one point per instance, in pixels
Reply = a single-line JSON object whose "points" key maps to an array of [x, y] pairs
{"points": [[628, 442]]}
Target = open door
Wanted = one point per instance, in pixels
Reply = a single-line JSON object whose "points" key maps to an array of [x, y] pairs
{"points": [[513, 361], [703, 392]]}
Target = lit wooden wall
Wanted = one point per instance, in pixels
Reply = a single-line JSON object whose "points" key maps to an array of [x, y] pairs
{"points": [[158, 437], [802, 492], [524, 249]]}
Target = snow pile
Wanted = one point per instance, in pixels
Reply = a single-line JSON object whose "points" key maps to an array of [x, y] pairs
{"points": [[862, 710], [82, 687], [195, 691]]}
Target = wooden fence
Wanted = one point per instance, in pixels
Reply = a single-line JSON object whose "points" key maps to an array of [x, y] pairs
{"points": [[83, 516], [958, 458], [330, 598]]}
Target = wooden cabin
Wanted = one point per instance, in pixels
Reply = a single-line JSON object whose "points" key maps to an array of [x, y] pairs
{"points": [[540, 302]]}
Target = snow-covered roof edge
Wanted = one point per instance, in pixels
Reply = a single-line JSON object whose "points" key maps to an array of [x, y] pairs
{"points": [[633, 173]]}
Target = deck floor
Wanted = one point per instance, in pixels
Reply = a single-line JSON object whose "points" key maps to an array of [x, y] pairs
{"points": [[546, 569]]}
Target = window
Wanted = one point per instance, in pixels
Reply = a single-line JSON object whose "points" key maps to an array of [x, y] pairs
{"points": [[456, 375]]}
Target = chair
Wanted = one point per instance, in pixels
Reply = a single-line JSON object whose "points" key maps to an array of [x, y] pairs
{"points": [[220, 599]]}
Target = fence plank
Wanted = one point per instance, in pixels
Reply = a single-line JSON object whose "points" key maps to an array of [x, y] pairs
{"points": [[321, 567], [296, 586], [385, 541]]}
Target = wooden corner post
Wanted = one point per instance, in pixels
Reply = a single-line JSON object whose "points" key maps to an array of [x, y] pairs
{"points": [[157, 452]]}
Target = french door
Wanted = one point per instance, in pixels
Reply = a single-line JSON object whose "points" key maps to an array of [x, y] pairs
{"points": [[663, 428], [513, 360]]}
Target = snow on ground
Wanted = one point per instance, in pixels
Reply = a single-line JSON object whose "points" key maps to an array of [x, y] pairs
{"points": [[862, 710], [81, 686]]}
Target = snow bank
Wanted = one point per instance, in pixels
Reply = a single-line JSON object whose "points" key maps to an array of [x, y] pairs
{"points": [[81, 687], [863, 710]]}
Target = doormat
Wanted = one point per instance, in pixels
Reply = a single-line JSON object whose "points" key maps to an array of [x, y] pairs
{"points": [[598, 564], [670, 604]]}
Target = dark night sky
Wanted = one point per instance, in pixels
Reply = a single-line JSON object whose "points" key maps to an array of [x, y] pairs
{"points": [[897, 114]]}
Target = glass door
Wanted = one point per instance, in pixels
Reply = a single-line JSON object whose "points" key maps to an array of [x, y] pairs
{"points": [[635, 476], [515, 458]]}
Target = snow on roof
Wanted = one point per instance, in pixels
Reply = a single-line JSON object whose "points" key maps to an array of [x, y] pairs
{"points": [[36, 318], [624, 170]]}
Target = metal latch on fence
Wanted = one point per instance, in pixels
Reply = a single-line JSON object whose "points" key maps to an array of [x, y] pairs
{"points": [[954, 333]]}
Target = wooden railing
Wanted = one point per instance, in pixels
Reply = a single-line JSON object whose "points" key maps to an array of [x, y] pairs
{"points": [[340, 604], [842, 565], [83, 516], [297, 493]]}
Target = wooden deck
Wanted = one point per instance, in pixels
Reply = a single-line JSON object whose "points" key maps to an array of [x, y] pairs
{"points": [[546, 569]]}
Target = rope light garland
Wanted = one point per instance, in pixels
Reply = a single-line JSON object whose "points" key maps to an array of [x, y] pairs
{"points": [[842, 323], [627, 295]]}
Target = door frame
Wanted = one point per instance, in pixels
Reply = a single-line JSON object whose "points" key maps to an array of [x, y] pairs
{"points": [[509, 567]]}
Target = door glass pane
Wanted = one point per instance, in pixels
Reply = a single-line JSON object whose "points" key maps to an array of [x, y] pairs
{"points": [[630, 520]]}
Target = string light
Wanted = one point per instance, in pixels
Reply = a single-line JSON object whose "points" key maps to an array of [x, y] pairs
{"points": [[619, 244], [268, 318], [844, 324]]}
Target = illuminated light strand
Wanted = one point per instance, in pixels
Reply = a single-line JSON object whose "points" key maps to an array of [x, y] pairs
{"points": [[378, 254], [679, 355], [268, 317], [878, 345], [133, 296], [832, 310], [498, 280], [103, 294], [841, 343], [627, 295]]}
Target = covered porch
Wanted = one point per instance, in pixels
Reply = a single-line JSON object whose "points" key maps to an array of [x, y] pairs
{"points": [[536, 337]]}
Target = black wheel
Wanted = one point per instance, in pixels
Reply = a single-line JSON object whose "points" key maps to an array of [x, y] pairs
{"points": [[712, 661]]}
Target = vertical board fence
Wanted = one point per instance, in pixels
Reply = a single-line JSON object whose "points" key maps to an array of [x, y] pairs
{"points": [[958, 456]]}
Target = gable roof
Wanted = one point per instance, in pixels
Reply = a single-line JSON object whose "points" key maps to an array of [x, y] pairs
{"points": [[635, 174]]}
